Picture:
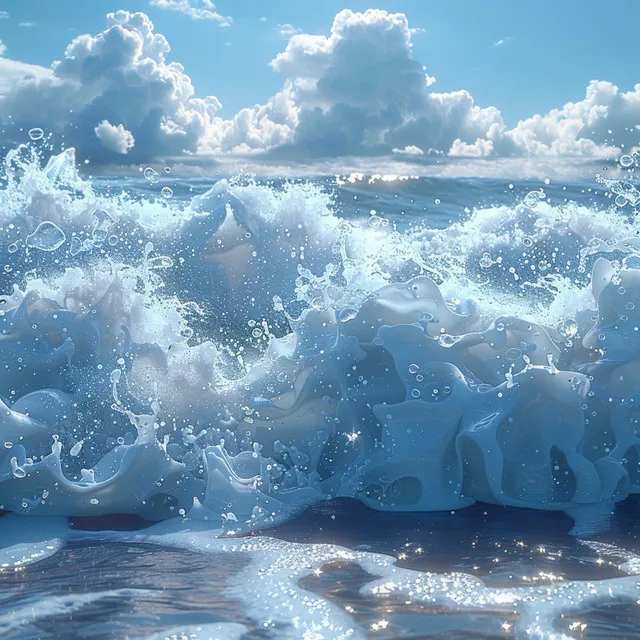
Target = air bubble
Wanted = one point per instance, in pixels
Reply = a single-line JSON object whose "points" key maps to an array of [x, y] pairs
{"points": [[626, 161], [486, 261], [151, 175]]}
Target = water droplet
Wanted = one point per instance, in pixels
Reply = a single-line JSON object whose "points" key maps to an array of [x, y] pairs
{"points": [[94, 501], [257, 333], [415, 393], [347, 314], [12, 248], [47, 237], [167, 192], [414, 368], [77, 447], [36, 134], [532, 198], [277, 303], [160, 262], [18, 471], [76, 246]]}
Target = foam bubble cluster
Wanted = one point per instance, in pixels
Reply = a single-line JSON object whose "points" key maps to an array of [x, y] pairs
{"points": [[243, 355]]}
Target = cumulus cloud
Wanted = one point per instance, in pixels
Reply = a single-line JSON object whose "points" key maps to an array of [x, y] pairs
{"points": [[3, 48], [121, 75], [194, 9], [605, 119], [360, 91], [4, 15], [115, 138], [357, 91]]}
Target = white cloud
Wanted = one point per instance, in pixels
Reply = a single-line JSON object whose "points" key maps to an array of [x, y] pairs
{"points": [[121, 75], [115, 138], [595, 126], [409, 150], [3, 48], [13, 72], [360, 91], [27, 24], [502, 41], [4, 15], [357, 92], [194, 9], [287, 30]]}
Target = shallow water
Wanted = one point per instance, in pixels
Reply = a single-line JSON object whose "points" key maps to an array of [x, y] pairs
{"points": [[169, 587]]}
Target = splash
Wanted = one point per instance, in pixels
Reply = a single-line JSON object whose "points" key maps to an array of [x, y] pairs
{"points": [[240, 356]]}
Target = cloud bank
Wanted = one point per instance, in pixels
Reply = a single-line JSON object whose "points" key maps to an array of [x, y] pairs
{"points": [[357, 91]]}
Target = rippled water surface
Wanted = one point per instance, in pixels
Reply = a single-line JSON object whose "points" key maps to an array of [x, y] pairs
{"points": [[170, 587]]}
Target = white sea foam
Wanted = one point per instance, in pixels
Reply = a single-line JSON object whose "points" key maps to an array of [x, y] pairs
{"points": [[416, 369], [269, 585]]}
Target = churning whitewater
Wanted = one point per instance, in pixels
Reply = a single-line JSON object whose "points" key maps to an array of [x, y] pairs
{"points": [[240, 356]]}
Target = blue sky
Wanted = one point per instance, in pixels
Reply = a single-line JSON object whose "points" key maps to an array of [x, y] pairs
{"points": [[517, 60], [550, 52]]}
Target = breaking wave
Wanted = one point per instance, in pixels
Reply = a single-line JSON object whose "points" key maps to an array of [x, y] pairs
{"points": [[241, 355]]}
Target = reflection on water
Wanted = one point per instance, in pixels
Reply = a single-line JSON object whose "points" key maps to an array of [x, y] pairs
{"points": [[175, 588], [167, 587]]}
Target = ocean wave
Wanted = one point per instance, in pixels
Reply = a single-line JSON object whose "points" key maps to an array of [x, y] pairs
{"points": [[241, 355]]}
